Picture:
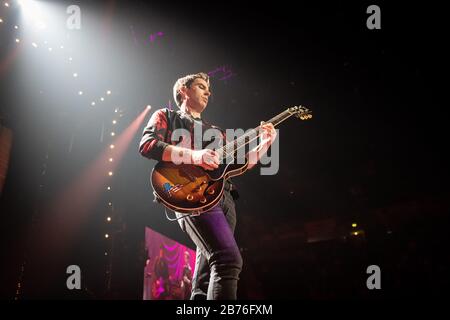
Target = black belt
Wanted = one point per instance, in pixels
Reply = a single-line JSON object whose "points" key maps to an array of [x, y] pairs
{"points": [[228, 186], [232, 189]]}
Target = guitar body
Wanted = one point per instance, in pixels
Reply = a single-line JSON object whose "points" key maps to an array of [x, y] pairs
{"points": [[188, 188]]}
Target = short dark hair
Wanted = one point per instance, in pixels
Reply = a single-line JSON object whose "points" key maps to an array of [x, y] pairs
{"points": [[186, 81]]}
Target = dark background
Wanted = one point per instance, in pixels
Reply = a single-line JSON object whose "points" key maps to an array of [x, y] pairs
{"points": [[373, 154]]}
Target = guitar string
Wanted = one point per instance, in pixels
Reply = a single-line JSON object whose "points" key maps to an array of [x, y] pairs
{"points": [[238, 140], [223, 149]]}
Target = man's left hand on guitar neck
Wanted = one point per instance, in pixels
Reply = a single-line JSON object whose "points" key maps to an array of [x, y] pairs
{"points": [[268, 136]]}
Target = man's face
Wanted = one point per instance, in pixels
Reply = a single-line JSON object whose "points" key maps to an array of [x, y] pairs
{"points": [[197, 95]]}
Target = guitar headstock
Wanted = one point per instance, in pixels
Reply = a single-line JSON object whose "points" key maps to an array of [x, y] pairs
{"points": [[301, 112]]}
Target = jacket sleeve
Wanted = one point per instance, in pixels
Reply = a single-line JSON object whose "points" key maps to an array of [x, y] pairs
{"points": [[152, 144]]}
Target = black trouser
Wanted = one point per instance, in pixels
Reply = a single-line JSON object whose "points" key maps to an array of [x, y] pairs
{"points": [[218, 260]]}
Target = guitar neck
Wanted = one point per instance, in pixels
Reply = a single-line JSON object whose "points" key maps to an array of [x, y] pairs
{"points": [[280, 118], [251, 135]]}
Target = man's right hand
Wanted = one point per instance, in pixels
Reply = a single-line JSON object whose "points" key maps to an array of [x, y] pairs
{"points": [[205, 158]]}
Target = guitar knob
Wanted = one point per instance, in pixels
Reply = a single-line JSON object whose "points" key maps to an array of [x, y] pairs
{"points": [[190, 197], [211, 191], [203, 200]]}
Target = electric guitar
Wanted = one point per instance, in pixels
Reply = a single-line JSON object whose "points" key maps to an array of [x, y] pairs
{"points": [[190, 189]]}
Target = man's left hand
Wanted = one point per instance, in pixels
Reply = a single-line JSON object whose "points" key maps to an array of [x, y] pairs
{"points": [[268, 132]]}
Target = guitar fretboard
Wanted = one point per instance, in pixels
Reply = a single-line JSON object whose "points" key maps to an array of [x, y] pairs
{"points": [[227, 151]]}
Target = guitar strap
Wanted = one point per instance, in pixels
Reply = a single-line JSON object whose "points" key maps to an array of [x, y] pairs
{"points": [[175, 219]]}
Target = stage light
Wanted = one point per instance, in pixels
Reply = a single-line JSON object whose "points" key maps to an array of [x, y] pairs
{"points": [[70, 59], [6, 4], [92, 103], [110, 173], [106, 253], [41, 25], [149, 107], [113, 134], [108, 92], [1, 20], [109, 203], [354, 225], [80, 93], [75, 75], [106, 235], [33, 13], [116, 110], [110, 159], [102, 99], [50, 49], [62, 47], [34, 44], [16, 27], [111, 146], [114, 121], [17, 40], [108, 219], [355, 233], [109, 188]]}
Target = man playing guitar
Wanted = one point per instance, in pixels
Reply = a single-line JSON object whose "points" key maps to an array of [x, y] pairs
{"points": [[218, 259]]}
